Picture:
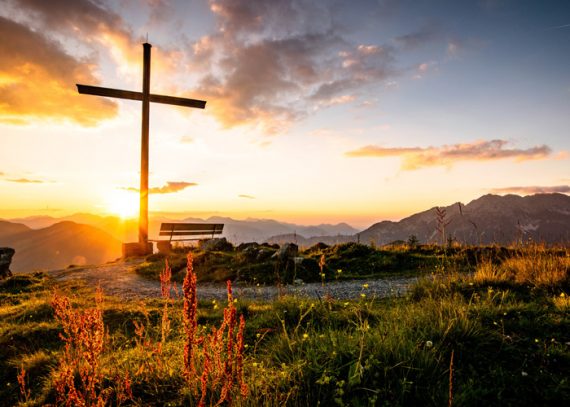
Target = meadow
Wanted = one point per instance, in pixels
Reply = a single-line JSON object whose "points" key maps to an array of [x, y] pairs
{"points": [[484, 326]]}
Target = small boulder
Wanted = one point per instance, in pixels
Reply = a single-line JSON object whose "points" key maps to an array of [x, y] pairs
{"points": [[264, 254], [215, 245], [286, 252], [251, 253], [6, 254], [247, 246]]}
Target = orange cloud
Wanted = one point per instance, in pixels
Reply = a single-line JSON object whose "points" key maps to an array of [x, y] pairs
{"points": [[530, 190], [26, 181], [245, 196], [37, 76], [84, 20], [169, 188], [37, 80], [187, 139], [414, 158]]}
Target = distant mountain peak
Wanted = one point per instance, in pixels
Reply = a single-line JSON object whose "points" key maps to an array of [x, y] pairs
{"points": [[488, 219]]}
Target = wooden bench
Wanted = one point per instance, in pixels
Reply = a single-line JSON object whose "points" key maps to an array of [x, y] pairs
{"points": [[187, 231], [190, 231]]}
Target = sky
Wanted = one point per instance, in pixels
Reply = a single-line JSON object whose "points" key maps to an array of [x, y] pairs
{"points": [[317, 111]]}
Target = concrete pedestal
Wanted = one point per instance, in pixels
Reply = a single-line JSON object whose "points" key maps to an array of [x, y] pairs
{"points": [[136, 249]]}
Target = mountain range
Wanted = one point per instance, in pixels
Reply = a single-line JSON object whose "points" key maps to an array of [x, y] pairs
{"points": [[486, 220], [44, 242], [236, 231]]}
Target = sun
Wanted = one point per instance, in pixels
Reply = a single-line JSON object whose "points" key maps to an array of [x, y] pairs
{"points": [[124, 204]]}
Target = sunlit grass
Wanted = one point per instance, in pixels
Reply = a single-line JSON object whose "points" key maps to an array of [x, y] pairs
{"points": [[506, 325], [535, 266]]}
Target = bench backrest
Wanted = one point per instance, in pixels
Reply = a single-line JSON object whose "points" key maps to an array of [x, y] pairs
{"points": [[190, 229]]}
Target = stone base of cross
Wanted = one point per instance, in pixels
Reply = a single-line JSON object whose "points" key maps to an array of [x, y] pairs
{"points": [[137, 249]]}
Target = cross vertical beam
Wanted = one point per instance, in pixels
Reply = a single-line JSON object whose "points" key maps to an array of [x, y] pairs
{"points": [[143, 207]]}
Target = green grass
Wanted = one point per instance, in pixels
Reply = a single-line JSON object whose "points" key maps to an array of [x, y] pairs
{"points": [[356, 261], [508, 328]]}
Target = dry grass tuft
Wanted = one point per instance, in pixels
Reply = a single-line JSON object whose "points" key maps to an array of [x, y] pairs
{"points": [[83, 335], [534, 266], [221, 351]]}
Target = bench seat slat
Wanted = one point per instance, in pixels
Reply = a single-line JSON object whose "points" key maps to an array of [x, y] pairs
{"points": [[191, 233], [191, 226]]}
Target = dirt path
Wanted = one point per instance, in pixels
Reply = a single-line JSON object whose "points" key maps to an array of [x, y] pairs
{"points": [[120, 280], [116, 279]]}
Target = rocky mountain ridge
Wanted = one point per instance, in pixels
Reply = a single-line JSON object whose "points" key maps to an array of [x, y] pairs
{"points": [[487, 220]]}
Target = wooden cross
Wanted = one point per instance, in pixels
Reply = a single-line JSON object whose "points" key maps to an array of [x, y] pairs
{"points": [[146, 97]]}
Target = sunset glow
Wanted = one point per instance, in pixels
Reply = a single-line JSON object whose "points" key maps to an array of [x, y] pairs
{"points": [[124, 204], [316, 111]]}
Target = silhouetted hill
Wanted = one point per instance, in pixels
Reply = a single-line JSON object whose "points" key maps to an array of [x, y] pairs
{"points": [[488, 219], [57, 246], [9, 229], [259, 230], [237, 231]]}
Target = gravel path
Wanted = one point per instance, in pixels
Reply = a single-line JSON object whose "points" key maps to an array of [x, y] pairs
{"points": [[120, 280]]}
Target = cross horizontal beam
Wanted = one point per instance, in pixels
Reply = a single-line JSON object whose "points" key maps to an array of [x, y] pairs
{"points": [[127, 94]]}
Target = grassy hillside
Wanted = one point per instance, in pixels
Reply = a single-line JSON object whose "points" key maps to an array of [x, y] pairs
{"points": [[498, 336], [345, 261]]}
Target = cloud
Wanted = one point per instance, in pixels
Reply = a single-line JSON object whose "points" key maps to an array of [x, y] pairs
{"points": [[39, 66], [418, 38], [273, 63], [37, 80], [530, 190], [87, 21], [267, 64], [245, 196], [414, 158], [423, 68], [26, 181], [557, 27], [453, 48], [338, 100], [187, 139], [170, 187]]}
